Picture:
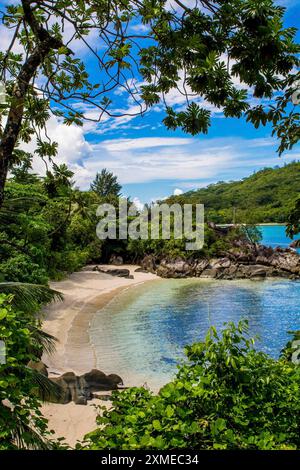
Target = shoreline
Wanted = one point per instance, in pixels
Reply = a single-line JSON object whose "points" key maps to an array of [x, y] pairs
{"points": [[272, 224], [85, 293]]}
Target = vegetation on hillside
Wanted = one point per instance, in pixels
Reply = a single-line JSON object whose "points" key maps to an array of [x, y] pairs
{"points": [[51, 231], [46, 229], [48, 226], [106, 184], [269, 195]]}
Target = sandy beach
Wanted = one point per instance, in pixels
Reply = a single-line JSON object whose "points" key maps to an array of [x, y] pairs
{"points": [[85, 293]]}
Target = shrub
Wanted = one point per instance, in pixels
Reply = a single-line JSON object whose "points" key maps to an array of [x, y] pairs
{"points": [[21, 422], [226, 395], [21, 268]]}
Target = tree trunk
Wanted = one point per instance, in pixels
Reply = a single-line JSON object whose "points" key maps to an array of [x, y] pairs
{"points": [[3, 174], [9, 138], [11, 132]]}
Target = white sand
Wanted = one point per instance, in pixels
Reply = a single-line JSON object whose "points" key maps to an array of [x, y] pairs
{"points": [[85, 293]]}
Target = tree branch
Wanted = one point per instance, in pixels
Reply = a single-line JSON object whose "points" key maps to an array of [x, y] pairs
{"points": [[45, 43], [181, 5]]}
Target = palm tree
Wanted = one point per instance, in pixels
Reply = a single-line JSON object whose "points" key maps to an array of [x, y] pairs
{"points": [[59, 181], [26, 296]]}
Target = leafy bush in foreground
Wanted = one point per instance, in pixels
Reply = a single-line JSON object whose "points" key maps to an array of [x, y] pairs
{"points": [[22, 425], [226, 396]]}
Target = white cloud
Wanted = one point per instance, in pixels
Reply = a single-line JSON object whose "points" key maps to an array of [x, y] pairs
{"points": [[177, 192], [72, 146], [138, 204], [140, 28], [173, 5], [187, 160], [123, 145], [287, 3]]}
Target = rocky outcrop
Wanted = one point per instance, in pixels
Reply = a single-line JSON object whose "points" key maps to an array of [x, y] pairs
{"points": [[80, 389], [295, 244], [115, 272], [148, 263], [116, 260], [71, 389], [243, 261], [141, 270], [98, 381], [175, 269]]}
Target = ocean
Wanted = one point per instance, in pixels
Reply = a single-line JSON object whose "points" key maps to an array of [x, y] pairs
{"points": [[141, 333]]}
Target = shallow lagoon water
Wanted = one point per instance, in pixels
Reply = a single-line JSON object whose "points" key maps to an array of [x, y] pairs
{"points": [[140, 335]]}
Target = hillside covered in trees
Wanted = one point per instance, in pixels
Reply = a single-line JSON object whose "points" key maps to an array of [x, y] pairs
{"points": [[266, 196]]}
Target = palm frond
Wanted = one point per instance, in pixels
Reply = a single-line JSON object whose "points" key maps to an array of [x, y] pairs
{"points": [[47, 390], [26, 296], [12, 207], [41, 338], [33, 441]]}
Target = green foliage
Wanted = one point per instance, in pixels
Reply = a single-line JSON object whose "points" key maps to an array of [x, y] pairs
{"points": [[214, 244], [202, 52], [293, 226], [266, 196], [106, 184], [225, 396], [21, 422], [50, 235], [58, 183], [29, 297], [20, 267], [45, 235]]}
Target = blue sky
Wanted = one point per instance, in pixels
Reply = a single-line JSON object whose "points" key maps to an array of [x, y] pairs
{"points": [[152, 162]]}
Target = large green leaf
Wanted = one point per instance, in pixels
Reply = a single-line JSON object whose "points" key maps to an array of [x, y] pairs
{"points": [[26, 296]]}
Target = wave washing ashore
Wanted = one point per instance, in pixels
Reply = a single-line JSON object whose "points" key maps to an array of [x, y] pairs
{"points": [[85, 293]]}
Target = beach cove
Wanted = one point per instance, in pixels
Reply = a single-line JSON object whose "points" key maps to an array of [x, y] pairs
{"points": [[85, 293], [137, 328]]}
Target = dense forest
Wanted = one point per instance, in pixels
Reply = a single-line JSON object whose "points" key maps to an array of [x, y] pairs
{"points": [[266, 196], [48, 226]]}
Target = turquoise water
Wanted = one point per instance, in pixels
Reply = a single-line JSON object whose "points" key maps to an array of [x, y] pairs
{"points": [[140, 335], [274, 235]]}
